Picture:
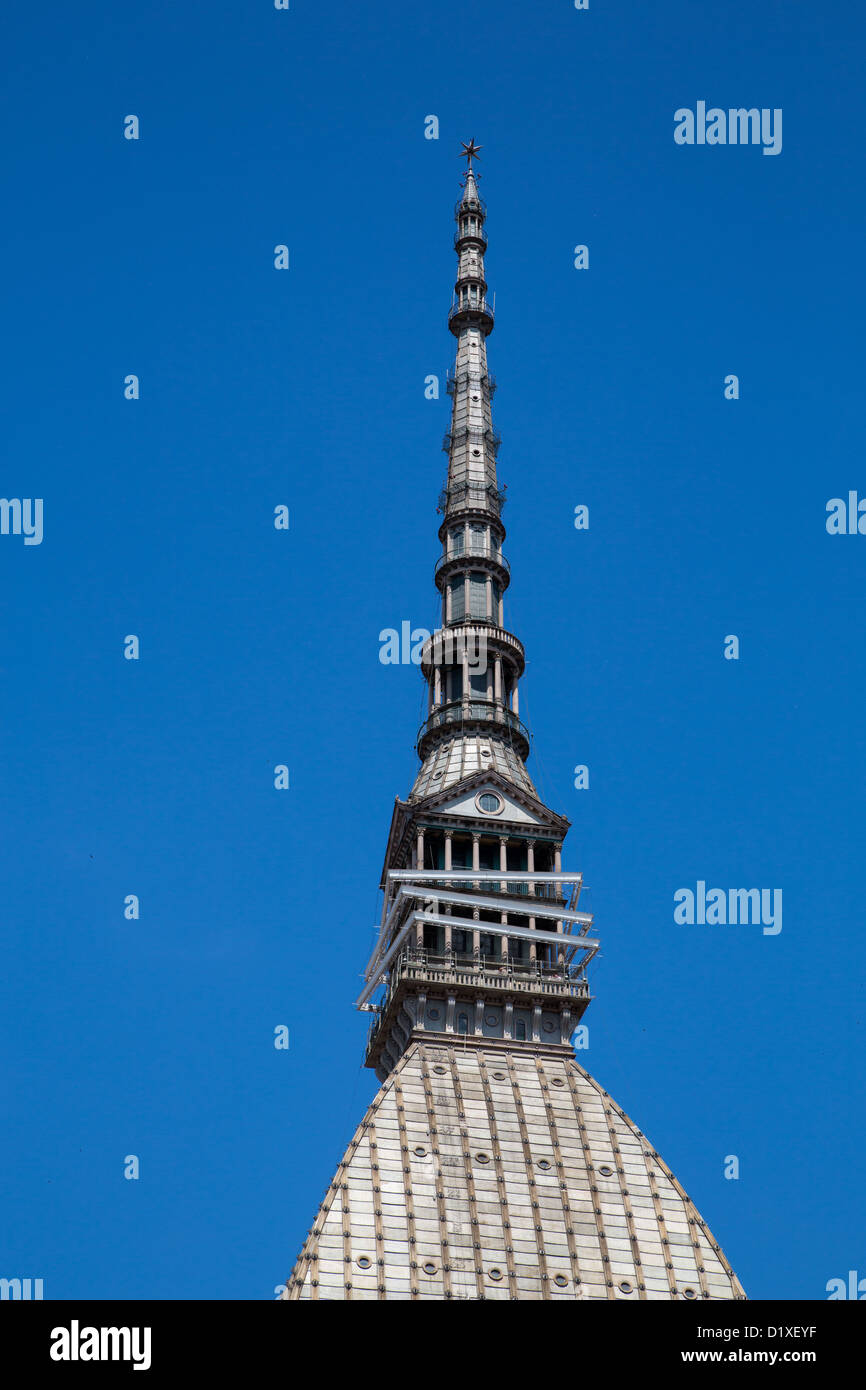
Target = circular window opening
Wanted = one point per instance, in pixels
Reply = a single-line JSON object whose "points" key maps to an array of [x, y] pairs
{"points": [[496, 1274], [560, 1279], [419, 1151], [483, 1158], [499, 1076], [429, 1267], [544, 1164], [491, 1019], [489, 803], [606, 1171], [690, 1293], [625, 1286], [434, 1013], [439, 1070], [363, 1262], [548, 1026], [557, 1081]]}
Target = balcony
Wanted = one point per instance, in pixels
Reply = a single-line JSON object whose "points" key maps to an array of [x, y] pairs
{"points": [[478, 235], [471, 311], [471, 205], [475, 436], [468, 556], [472, 497], [467, 712], [453, 380]]}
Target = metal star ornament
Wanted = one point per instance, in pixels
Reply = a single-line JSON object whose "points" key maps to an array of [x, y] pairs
{"points": [[470, 152]]}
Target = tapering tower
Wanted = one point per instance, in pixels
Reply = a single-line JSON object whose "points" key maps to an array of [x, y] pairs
{"points": [[490, 1165]]}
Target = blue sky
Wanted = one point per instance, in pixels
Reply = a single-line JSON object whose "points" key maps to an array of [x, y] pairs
{"points": [[306, 387]]}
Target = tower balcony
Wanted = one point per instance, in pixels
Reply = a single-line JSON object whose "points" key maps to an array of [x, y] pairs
{"points": [[478, 235], [445, 646], [466, 716], [472, 497], [475, 435], [453, 380], [473, 203], [489, 559], [471, 314]]}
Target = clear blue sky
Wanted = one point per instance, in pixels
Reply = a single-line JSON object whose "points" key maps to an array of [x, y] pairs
{"points": [[155, 1037]]}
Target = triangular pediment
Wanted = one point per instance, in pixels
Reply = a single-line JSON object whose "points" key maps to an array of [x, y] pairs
{"points": [[516, 805]]}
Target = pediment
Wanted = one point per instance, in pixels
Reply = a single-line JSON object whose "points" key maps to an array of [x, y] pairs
{"points": [[517, 806]]}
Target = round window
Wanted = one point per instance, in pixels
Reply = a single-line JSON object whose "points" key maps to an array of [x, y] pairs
{"points": [[560, 1279], [496, 1274], [489, 803], [363, 1262]]}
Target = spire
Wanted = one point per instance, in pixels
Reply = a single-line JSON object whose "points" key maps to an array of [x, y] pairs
{"points": [[490, 1165], [473, 665]]}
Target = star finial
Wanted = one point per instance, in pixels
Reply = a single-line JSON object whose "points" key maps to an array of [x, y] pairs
{"points": [[470, 152]]}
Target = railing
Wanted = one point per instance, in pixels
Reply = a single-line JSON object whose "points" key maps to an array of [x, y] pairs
{"points": [[454, 379], [478, 235], [487, 553], [479, 436], [471, 205], [495, 972], [459, 711], [486, 494], [471, 306]]}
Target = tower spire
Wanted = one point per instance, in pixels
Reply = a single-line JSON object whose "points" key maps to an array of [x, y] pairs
{"points": [[490, 1164]]}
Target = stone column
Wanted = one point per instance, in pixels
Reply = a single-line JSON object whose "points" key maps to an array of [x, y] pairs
{"points": [[437, 686], [449, 836], [488, 584], [497, 680], [419, 864], [503, 888], [476, 863]]}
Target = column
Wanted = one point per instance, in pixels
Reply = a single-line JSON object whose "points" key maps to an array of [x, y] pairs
{"points": [[419, 864], [503, 888], [449, 835], [488, 600], [437, 686], [497, 680], [476, 863], [515, 701]]}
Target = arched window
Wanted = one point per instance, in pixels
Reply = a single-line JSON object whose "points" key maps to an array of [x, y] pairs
{"points": [[462, 1023], [520, 1030]]}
